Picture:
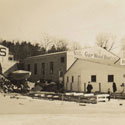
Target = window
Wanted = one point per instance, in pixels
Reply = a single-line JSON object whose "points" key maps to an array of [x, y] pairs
{"points": [[72, 79], [35, 68], [93, 78], [28, 67], [61, 74], [51, 67], [67, 79], [62, 59], [10, 58], [43, 68], [110, 78], [124, 75]]}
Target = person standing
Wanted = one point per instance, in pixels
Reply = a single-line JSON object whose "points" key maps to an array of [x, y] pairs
{"points": [[114, 88], [0, 69], [89, 87], [123, 86], [109, 92]]}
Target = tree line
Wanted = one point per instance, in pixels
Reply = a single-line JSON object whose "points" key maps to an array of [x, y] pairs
{"points": [[48, 44], [21, 50]]}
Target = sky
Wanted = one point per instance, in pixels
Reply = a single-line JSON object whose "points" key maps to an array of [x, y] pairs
{"points": [[74, 20]]}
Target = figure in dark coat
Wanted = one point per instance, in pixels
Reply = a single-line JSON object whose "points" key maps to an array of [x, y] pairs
{"points": [[89, 87], [0, 69], [114, 87]]}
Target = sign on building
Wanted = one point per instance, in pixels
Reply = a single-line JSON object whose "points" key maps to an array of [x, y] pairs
{"points": [[3, 53], [95, 53]]}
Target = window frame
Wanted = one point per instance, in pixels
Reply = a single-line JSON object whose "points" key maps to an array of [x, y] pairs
{"points": [[111, 79], [72, 79], [93, 78], [35, 68], [43, 68], [28, 67], [62, 59], [67, 79], [51, 67]]}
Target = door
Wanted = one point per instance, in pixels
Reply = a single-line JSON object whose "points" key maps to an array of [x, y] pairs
{"points": [[79, 83]]}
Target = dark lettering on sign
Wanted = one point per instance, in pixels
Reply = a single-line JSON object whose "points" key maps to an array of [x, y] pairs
{"points": [[2, 51]]}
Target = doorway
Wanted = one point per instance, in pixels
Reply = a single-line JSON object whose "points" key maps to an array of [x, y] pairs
{"points": [[79, 83]]}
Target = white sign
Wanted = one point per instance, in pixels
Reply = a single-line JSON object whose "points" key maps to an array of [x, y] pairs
{"points": [[3, 53], [96, 53]]}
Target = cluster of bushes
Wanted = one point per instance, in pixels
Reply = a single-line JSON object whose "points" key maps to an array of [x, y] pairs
{"points": [[21, 86], [6, 85], [48, 86]]}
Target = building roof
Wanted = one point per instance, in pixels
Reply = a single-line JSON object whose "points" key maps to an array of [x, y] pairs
{"points": [[94, 54], [82, 60], [114, 61], [49, 54]]}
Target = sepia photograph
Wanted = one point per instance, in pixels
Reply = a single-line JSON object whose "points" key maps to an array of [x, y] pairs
{"points": [[62, 62]]}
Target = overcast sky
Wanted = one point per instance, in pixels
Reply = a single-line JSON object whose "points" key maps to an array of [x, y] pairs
{"points": [[77, 20]]}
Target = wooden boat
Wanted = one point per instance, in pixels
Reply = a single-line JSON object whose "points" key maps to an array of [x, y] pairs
{"points": [[20, 74]]}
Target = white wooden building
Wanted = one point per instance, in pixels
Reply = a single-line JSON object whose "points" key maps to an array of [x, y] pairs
{"points": [[101, 71]]}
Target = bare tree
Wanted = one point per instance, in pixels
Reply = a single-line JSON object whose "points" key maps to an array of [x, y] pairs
{"points": [[75, 46], [122, 49], [106, 40], [46, 42], [53, 44], [61, 44]]}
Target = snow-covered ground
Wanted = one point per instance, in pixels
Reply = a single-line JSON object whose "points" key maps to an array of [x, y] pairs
{"points": [[28, 111]]}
